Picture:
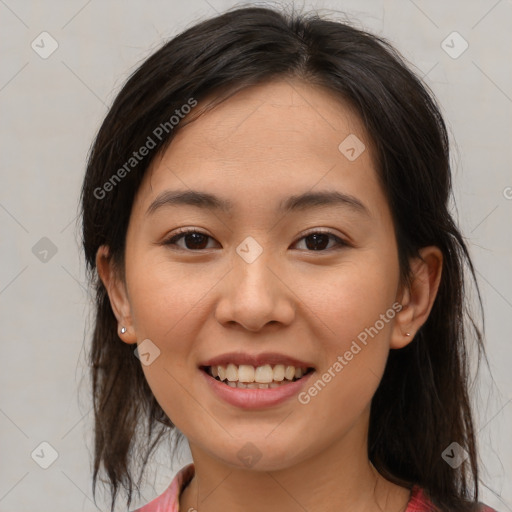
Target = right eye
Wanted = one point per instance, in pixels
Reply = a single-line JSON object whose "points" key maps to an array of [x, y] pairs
{"points": [[194, 240]]}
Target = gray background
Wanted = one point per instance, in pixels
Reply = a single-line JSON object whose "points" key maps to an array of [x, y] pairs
{"points": [[50, 110]]}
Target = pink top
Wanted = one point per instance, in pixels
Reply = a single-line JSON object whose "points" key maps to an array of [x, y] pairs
{"points": [[169, 500]]}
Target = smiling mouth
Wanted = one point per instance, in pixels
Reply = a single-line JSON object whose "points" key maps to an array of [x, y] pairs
{"points": [[262, 377]]}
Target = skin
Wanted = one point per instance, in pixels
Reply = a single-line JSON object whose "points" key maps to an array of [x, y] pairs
{"points": [[260, 146]]}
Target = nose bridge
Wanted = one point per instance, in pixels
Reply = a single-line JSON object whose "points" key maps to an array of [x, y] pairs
{"points": [[251, 261], [254, 277]]}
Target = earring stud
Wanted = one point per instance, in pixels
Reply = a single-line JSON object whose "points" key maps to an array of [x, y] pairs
{"points": [[407, 334], [123, 330]]}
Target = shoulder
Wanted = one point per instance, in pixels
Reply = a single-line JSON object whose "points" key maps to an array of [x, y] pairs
{"points": [[419, 502], [169, 500]]}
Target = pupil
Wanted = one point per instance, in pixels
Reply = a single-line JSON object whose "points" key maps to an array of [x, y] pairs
{"points": [[196, 238], [317, 244]]}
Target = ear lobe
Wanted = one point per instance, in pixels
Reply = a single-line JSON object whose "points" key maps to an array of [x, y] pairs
{"points": [[116, 290], [418, 300]]}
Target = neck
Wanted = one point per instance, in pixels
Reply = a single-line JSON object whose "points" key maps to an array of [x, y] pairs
{"points": [[339, 478]]}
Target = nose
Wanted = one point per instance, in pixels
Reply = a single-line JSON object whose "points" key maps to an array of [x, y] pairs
{"points": [[253, 295]]}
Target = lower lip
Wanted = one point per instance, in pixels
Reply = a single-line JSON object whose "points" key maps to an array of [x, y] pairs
{"points": [[255, 398]]}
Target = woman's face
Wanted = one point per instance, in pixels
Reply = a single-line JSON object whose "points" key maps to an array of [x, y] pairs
{"points": [[300, 265]]}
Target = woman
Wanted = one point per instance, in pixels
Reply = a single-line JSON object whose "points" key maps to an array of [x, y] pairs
{"points": [[265, 217]]}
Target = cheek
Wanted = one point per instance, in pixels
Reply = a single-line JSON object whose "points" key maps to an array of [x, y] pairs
{"points": [[167, 308], [349, 299], [351, 309], [167, 297], [354, 318]]}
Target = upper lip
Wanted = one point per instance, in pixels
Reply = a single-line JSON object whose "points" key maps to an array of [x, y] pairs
{"points": [[255, 360]]}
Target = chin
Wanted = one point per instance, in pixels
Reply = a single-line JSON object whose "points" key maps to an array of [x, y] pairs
{"points": [[259, 455]]}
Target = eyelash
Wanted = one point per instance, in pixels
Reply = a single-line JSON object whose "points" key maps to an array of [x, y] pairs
{"points": [[184, 232]]}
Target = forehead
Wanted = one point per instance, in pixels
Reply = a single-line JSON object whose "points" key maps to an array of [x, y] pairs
{"points": [[280, 114], [268, 141]]}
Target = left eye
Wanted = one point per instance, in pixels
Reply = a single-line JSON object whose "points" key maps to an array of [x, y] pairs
{"points": [[196, 241], [318, 241]]}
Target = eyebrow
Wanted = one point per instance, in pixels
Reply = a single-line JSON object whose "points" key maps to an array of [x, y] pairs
{"points": [[300, 202]]}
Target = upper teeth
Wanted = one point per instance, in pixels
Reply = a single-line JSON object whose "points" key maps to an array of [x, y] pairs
{"points": [[261, 374]]}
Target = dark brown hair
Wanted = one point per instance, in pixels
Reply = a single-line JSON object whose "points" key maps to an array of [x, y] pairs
{"points": [[422, 403]]}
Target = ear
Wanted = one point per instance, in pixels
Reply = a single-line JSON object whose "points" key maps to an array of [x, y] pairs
{"points": [[118, 296], [417, 301]]}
